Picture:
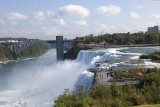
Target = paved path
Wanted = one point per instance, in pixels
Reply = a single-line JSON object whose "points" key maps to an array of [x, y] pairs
{"points": [[102, 77]]}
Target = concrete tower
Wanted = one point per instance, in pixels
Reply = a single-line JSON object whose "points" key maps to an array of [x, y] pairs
{"points": [[60, 48]]}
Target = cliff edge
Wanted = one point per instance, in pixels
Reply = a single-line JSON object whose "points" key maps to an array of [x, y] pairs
{"points": [[73, 52]]}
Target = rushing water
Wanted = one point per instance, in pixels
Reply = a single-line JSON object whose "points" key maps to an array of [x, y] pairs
{"points": [[37, 82]]}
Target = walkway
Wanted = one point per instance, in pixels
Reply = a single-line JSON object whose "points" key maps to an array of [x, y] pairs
{"points": [[105, 77], [102, 77]]}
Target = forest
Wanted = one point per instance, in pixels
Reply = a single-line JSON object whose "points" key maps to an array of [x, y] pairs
{"points": [[123, 38]]}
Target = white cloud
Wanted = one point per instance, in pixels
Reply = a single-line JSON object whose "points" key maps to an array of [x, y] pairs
{"points": [[2, 22], [134, 15], [139, 6], [104, 28], [16, 16], [156, 16], [81, 23], [121, 28], [59, 22], [37, 23], [39, 15], [51, 31], [74, 10], [108, 10], [50, 13], [13, 22]]}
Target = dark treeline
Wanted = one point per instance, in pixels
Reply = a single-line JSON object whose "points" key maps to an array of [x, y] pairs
{"points": [[123, 38], [147, 92]]}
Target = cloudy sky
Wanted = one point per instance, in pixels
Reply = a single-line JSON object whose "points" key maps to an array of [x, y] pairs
{"points": [[45, 19]]}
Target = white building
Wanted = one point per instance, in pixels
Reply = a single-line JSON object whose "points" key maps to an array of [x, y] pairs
{"points": [[12, 40], [153, 29]]}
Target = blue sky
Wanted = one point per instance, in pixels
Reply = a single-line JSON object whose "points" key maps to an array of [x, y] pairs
{"points": [[45, 19]]}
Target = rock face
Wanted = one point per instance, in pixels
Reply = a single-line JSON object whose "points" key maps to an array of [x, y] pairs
{"points": [[73, 52], [4, 59]]}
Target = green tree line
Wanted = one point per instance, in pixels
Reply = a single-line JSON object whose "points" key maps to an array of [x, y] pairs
{"points": [[123, 38]]}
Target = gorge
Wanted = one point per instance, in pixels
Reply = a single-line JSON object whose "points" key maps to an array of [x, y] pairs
{"points": [[39, 81]]}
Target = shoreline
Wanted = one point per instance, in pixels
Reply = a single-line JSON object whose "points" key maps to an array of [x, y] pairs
{"points": [[122, 46], [5, 62], [20, 59]]}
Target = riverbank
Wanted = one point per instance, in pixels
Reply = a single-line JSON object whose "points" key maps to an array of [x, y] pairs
{"points": [[6, 55], [132, 45], [5, 62], [18, 59]]}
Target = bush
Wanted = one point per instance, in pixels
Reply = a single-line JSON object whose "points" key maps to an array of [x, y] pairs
{"points": [[115, 95], [153, 56], [144, 57]]}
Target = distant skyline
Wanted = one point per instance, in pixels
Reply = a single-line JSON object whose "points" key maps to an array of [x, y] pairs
{"points": [[45, 19]]}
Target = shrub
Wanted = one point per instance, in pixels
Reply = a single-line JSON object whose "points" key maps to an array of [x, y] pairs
{"points": [[144, 57]]}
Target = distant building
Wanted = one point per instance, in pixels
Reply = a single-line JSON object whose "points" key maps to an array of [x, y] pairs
{"points": [[102, 43], [153, 29], [12, 40]]}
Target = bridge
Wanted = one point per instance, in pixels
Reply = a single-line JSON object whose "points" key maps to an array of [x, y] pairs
{"points": [[17, 46]]}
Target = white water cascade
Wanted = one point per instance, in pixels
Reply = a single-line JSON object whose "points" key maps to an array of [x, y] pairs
{"points": [[90, 57], [38, 82]]}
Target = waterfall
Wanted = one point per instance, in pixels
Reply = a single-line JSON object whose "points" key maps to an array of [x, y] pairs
{"points": [[38, 82], [85, 79], [89, 58]]}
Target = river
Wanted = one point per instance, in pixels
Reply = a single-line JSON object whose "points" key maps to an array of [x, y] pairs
{"points": [[38, 82]]}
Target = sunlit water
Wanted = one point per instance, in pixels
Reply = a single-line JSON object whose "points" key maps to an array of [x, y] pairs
{"points": [[38, 82]]}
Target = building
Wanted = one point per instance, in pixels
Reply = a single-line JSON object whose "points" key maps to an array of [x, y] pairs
{"points": [[153, 29], [12, 40]]}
